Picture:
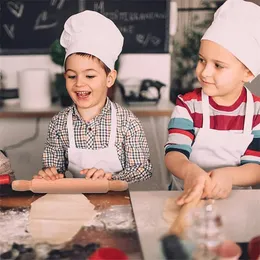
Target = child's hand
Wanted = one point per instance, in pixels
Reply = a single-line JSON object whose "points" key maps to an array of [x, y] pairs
{"points": [[221, 184], [95, 173], [195, 184], [49, 174]]}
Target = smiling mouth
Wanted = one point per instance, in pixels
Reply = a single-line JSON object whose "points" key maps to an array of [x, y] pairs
{"points": [[208, 83], [83, 94]]}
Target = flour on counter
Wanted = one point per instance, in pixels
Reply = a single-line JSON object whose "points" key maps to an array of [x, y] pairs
{"points": [[14, 223], [13, 226], [117, 217]]}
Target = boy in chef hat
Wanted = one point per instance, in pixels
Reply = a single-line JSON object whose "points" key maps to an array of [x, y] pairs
{"points": [[94, 138], [214, 133]]}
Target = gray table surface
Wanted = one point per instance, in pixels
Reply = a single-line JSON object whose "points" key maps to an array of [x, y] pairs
{"points": [[240, 213]]}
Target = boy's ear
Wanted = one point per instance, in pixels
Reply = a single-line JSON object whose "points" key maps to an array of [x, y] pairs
{"points": [[248, 76], [111, 78]]}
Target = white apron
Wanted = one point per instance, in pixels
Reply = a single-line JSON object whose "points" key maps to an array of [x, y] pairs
{"points": [[106, 158], [214, 149]]}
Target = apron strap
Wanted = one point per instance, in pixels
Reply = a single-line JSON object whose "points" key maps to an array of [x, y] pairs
{"points": [[249, 113], [112, 139], [205, 110], [71, 130]]}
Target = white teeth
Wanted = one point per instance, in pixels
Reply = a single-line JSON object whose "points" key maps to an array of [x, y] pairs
{"points": [[83, 92]]}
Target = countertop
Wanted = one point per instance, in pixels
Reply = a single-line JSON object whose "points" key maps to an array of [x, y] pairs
{"points": [[125, 239], [163, 108], [240, 213]]}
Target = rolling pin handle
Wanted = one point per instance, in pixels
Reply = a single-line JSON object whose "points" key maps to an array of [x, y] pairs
{"points": [[21, 185], [117, 185]]}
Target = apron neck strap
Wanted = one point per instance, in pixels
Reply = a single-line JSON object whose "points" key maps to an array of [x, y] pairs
{"points": [[71, 130], [112, 139], [249, 113], [205, 110]]}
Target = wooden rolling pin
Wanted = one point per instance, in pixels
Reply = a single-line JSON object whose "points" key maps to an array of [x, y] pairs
{"points": [[180, 224], [69, 185]]}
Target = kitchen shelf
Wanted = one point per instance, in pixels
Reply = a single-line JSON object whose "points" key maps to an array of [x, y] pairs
{"points": [[163, 108]]}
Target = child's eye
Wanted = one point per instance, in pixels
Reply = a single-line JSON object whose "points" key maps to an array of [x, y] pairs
{"points": [[71, 77], [90, 76], [201, 60], [218, 66]]}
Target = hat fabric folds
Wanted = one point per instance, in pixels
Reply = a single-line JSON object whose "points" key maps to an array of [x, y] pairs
{"points": [[236, 28], [91, 32]]}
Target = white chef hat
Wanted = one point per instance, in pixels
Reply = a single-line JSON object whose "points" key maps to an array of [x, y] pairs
{"points": [[236, 28], [91, 32]]}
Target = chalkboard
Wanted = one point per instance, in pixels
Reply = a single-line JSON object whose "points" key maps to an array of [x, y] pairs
{"points": [[144, 23], [30, 26]]}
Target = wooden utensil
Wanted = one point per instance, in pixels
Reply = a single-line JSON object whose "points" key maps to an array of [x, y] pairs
{"points": [[69, 185], [180, 224]]}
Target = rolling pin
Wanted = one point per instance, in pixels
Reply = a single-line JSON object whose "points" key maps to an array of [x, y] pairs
{"points": [[180, 224], [69, 185]]}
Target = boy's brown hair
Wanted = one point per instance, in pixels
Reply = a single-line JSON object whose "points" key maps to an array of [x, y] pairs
{"points": [[103, 65]]}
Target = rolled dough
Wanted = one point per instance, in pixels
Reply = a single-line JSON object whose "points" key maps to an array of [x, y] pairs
{"points": [[57, 218], [171, 210]]}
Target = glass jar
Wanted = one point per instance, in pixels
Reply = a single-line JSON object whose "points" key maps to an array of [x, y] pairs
{"points": [[206, 231]]}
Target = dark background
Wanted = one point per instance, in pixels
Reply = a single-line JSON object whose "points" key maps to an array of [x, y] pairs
{"points": [[30, 26]]}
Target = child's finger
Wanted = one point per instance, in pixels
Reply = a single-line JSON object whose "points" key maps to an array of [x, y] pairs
{"points": [[84, 171], [180, 201], [90, 172], [55, 172], [98, 173], [182, 197], [207, 188], [195, 192], [215, 192], [60, 176], [51, 172], [43, 174], [37, 177], [108, 176], [218, 194], [225, 194]]}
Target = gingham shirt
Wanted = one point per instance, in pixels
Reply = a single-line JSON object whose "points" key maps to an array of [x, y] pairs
{"points": [[131, 143]]}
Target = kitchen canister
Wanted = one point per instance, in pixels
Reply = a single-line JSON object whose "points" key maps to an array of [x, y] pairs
{"points": [[34, 88]]}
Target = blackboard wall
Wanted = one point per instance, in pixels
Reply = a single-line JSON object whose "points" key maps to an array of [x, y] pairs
{"points": [[30, 26]]}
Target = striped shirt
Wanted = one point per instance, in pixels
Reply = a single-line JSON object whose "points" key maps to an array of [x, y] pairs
{"points": [[131, 143], [187, 118]]}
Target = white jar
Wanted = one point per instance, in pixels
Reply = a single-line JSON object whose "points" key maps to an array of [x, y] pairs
{"points": [[34, 89]]}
